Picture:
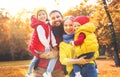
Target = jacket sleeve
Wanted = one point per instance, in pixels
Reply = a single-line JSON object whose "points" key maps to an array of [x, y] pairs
{"points": [[41, 35], [80, 39], [63, 56], [54, 43], [35, 54]]}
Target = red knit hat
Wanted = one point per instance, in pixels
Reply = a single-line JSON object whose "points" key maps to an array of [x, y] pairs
{"points": [[81, 19]]}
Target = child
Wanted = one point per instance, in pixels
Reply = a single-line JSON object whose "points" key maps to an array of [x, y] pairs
{"points": [[66, 49], [85, 41], [41, 40]]}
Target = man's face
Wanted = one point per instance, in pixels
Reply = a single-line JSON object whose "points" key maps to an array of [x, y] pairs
{"points": [[56, 19]]}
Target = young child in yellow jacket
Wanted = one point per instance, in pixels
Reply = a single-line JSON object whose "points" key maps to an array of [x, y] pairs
{"points": [[85, 41]]}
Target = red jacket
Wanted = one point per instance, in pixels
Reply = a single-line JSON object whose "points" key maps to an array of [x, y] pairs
{"points": [[35, 42]]}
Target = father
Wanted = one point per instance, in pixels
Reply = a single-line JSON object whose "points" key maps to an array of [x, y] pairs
{"points": [[56, 21]]}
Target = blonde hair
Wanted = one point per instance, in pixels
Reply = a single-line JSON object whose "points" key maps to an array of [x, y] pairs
{"points": [[37, 10], [68, 17]]}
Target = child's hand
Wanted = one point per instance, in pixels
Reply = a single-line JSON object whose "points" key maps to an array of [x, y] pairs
{"points": [[47, 49], [72, 43]]}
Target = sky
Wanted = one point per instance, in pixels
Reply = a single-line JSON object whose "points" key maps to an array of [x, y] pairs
{"points": [[15, 5]]}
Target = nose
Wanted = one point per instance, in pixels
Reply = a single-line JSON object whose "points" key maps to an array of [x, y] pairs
{"points": [[68, 27], [56, 19]]}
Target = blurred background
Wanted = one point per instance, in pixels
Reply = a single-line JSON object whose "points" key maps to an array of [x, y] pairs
{"points": [[15, 30]]}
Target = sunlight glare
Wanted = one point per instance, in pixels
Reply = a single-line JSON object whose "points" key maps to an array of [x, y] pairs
{"points": [[16, 5]]}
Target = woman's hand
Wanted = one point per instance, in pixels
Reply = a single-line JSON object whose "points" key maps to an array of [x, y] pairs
{"points": [[82, 60]]}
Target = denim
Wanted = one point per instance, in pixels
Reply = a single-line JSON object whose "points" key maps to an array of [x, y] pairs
{"points": [[50, 66], [72, 74], [32, 64], [87, 70], [52, 62]]}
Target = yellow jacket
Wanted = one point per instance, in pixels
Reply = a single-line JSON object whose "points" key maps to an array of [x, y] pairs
{"points": [[90, 43], [66, 51]]}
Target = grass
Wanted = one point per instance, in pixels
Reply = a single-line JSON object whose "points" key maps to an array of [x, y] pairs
{"points": [[14, 68], [107, 68], [15, 63], [19, 68]]}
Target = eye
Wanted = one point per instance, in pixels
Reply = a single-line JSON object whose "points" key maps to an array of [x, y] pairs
{"points": [[58, 16], [78, 25], [74, 25], [65, 25], [39, 14], [53, 18], [71, 25]]}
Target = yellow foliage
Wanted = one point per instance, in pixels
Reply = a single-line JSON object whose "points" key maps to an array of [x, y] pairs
{"points": [[103, 71]]}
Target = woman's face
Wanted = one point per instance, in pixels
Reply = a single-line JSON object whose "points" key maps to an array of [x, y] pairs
{"points": [[68, 26], [42, 16], [56, 19]]}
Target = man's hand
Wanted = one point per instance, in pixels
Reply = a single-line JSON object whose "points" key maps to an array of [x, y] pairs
{"points": [[53, 54], [48, 55], [44, 55]]}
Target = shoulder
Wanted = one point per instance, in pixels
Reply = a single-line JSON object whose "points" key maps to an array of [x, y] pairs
{"points": [[65, 45], [39, 27]]}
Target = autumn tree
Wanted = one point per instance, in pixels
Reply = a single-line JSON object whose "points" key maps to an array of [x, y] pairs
{"points": [[15, 36], [99, 17]]}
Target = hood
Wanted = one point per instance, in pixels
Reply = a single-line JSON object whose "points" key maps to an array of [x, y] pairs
{"points": [[35, 22], [88, 27]]}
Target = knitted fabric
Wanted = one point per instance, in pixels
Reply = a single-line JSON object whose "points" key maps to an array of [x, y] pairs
{"points": [[82, 20], [68, 37]]}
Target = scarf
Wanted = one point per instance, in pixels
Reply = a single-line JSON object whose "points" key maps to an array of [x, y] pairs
{"points": [[68, 37]]}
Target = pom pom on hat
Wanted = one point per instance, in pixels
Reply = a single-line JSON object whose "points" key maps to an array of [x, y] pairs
{"points": [[81, 19]]}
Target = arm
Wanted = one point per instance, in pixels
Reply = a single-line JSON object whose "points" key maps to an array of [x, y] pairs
{"points": [[82, 60], [77, 60], [65, 53], [79, 41], [49, 55], [54, 44], [42, 36]]}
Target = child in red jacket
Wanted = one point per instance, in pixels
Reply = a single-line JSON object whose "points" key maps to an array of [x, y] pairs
{"points": [[42, 40]]}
